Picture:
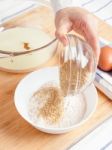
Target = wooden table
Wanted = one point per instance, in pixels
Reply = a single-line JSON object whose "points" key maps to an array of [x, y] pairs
{"points": [[16, 133]]}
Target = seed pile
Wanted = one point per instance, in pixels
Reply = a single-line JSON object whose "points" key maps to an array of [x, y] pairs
{"points": [[48, 108], [52, 103]]}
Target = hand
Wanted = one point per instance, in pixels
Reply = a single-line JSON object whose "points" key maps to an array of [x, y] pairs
{"points": [[80, 21]]}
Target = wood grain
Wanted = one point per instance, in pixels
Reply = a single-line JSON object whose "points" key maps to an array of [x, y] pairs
{"points": [[16, 133]]}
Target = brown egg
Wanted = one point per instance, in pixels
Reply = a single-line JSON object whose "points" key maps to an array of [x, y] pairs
{"points": [[105, 60]]}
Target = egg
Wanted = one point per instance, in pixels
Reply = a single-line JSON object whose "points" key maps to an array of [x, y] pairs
{"points": [[105, 60]]}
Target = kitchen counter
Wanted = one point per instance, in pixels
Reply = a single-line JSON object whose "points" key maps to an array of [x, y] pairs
{"points": [[15, 132]]}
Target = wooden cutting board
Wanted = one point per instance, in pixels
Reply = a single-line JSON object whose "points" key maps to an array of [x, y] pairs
{"points": [[15, 132]]}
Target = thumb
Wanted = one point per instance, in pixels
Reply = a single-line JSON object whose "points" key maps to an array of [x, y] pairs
{"points": [[62, 29]]}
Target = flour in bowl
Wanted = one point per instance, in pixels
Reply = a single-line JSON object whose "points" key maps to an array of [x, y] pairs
{"points": [[47, 107]]}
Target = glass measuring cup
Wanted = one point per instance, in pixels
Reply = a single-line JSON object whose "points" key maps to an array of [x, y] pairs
{"points": [[77, 65]]}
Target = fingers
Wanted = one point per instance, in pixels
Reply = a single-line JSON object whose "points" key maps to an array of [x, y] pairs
{"points": [[91, 37], [94, 43], [62, 28]]}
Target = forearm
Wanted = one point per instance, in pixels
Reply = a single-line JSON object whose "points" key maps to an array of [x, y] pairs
{"points": [[60, 4]]}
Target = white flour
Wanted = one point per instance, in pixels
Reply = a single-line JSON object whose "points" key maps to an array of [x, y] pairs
{"points": [[74, 110]]}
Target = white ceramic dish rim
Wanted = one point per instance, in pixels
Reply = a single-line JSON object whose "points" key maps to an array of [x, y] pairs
{"points": [[53, 128]]}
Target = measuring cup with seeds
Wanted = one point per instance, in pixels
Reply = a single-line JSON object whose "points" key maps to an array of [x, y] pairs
{"points": [[77, 66]]}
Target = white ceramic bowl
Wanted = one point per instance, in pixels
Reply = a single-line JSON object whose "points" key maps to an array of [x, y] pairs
{"points": [[33, 81]]}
